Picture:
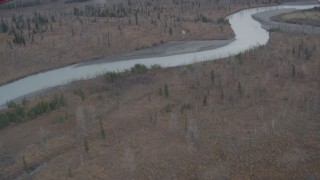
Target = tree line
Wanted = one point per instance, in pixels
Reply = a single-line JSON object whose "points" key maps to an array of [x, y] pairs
{"points": [[17, 113]]}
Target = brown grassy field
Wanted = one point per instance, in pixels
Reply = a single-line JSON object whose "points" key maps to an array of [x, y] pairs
{"points": [[68, 36], [252, 116], [304, 17]]}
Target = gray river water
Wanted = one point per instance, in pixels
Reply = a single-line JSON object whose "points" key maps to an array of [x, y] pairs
{"points": [[248, 34]]}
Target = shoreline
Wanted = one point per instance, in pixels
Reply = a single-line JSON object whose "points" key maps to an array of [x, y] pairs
{"points": [[266, 21], [141, 54], [155, 51], [166, 49], [120, 57]]}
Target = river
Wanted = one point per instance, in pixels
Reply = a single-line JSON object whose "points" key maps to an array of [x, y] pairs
{"points": [[248, 34]]}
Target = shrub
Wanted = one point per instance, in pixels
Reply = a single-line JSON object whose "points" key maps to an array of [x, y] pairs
{"points": [[155, 66], [103, 134], [168, 108], [239, 58], [4, 26], [18, 37], [212, 77], [204, 102], [191, 68], [293, 72], [223, 21], [80, 93], [25, 165], [166, 90], [61, 118], [240, 91], [4, 121], [221, 94], [86, 145], [70, 174], [184, 107], [139, 69], [111, 76], [160, 91], [274, 29], [46, 106], [19, 113]]}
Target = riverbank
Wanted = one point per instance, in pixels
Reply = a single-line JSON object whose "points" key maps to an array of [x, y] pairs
{"points": [[254, 115], [84, 71], [164, 49], [303, 17], [269, 21], [70, 38]]}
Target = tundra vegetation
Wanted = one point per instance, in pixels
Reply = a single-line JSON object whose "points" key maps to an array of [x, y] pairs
{"points": [[16, 113], [251, 116], [303, 17], [255, 115]]}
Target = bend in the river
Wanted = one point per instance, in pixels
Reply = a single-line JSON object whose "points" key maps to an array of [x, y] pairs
{"points": [[248, 34]]}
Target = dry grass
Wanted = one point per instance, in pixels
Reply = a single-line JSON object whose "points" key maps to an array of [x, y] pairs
{"points": [[267, 129], [313, 15], [305, 17]]}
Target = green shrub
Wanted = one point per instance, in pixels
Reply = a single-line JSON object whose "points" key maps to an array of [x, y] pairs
{"points": [[70, 174], [223, 21], [204, 102], [86, 145], [190, 67], [46, 106], [18, 113], [102, 132], [139, 69], [61, 118], [184, 107], [25, 165], [293, 72], [4, 27], [166, 90], [4, 121], [111, 76], [18, 37], [240, 91], [168, 108], [160, 91], [221, 94], [212, 76], [274, 29], [155, 66], [80, 93], [239, 58]]}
